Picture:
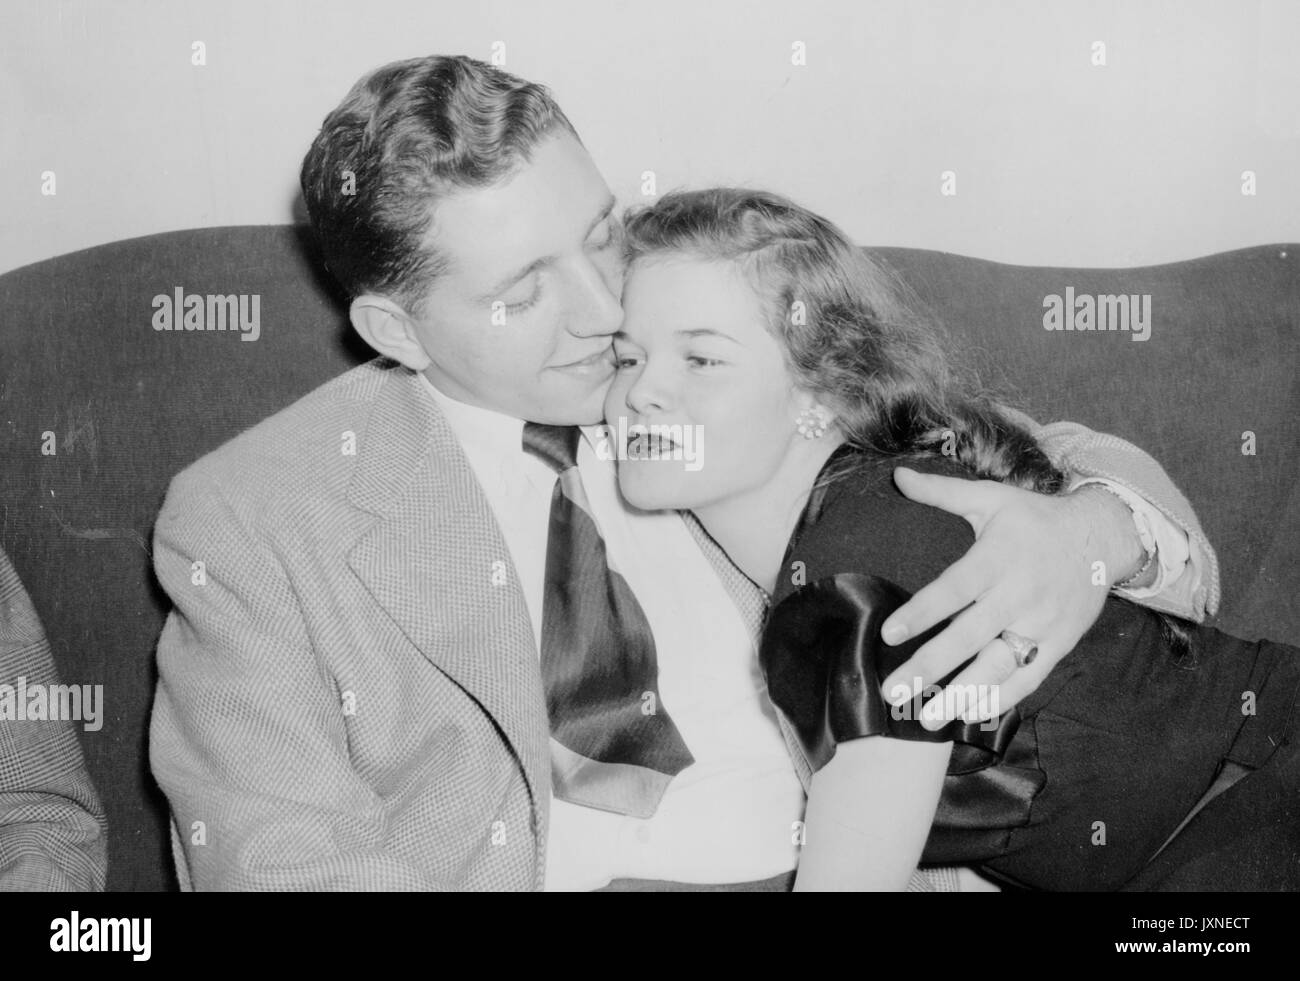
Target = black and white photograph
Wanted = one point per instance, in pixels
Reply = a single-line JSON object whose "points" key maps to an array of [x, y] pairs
{"points": [[740, 446]]}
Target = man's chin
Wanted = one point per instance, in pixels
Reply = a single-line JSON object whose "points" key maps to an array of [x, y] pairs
{"points": [[573, 402]]}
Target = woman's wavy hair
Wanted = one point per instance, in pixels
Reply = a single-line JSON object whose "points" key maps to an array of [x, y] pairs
{"points": [[852, 333]]}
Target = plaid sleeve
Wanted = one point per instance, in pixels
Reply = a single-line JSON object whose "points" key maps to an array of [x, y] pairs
{"points": [[52, 827], [935, 879]]}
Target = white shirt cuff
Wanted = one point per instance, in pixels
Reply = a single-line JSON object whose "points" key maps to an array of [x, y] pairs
{"points": [[1158, 534]]}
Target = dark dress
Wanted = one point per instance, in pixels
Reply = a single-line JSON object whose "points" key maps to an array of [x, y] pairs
{"points": [[1080, 785]]}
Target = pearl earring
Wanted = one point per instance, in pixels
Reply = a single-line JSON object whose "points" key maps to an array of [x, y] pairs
{"points": [[813, 422]]}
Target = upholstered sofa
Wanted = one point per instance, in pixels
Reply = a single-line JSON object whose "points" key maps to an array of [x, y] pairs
{"points": [[1212, 393]]}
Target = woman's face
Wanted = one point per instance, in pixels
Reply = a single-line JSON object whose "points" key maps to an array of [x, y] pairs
{"points": [[694, 354]]}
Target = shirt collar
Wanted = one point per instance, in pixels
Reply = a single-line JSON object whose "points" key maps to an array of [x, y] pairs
{"points": [[481, 431], [485, 432]]}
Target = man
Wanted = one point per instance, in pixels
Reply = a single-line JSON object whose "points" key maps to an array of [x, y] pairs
{"points": [[366, 584], [52, 827]]}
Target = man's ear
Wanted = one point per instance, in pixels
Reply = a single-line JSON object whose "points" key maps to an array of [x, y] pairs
{"points": [[388, 329]]}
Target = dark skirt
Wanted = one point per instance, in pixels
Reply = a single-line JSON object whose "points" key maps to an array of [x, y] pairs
{"points": [[1127, 738]]}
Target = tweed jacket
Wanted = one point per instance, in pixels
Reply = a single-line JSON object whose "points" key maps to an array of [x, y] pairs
{"points": [[348, 692], [52, 827]]}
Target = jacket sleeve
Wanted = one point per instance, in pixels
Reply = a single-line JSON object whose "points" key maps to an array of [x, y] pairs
{"points": [[52, 827], [1081, 452], [247, 738]]}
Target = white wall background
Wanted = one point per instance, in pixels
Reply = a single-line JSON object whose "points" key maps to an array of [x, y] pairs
{"points": [[1057, 161]]}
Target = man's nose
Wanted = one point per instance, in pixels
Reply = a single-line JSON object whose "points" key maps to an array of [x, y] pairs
{"points": [[598, 311]]}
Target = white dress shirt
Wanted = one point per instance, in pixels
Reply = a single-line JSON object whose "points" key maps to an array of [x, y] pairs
{"points": [[728, 817]]}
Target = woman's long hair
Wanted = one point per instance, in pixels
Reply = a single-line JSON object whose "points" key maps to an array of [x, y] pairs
{"points": [[852, 333], [853, 336]]}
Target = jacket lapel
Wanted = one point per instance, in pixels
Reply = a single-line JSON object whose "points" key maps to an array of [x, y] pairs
{"points": [[436, 561]]}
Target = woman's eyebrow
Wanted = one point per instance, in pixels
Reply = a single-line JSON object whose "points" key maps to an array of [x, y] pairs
{"points": [[695, 332]]}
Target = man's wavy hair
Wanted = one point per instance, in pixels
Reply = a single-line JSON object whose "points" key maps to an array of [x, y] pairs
{"points": [[405, 136], [852, 333]]}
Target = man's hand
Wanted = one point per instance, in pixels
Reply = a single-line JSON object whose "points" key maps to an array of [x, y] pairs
{"points": [[1041, 566]]}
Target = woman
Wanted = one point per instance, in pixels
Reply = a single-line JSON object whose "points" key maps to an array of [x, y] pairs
{"points": [[761, 324]]}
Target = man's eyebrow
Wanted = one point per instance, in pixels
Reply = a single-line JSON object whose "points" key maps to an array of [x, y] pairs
{"points": [[512, 278]]}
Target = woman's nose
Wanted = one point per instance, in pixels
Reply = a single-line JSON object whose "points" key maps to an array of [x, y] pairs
{"points": [[648, 393]]}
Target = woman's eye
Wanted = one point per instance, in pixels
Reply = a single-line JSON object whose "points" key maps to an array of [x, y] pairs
{"points": [[699, 361], [626, 361]]}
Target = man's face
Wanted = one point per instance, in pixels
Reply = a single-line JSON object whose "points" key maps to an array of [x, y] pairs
{"points": [[521, 320]]}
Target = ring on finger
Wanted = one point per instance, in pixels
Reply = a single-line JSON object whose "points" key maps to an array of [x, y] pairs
{"points": [[1024, 649]]}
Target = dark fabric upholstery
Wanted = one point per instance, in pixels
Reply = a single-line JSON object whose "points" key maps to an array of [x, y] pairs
{"points": [[131, 407]]}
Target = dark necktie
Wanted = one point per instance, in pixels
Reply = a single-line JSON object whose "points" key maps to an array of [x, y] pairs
{"points": [[613, 744]]}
